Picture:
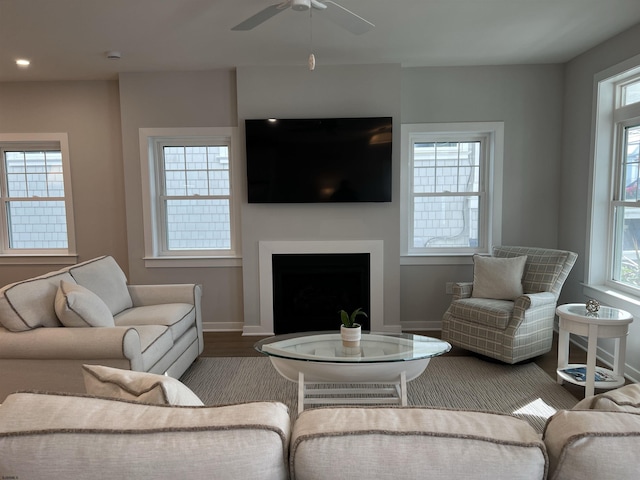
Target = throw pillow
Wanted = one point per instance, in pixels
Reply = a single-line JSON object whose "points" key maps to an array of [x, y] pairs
{"points": [[77, 306], [497, 278], [137, 386]]}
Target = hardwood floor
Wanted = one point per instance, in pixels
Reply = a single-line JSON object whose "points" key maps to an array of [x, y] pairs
{"points": [[234, 344]]}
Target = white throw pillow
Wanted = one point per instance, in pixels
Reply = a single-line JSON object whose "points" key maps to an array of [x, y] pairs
{"points": [[498, 278], [137, 386], [77, 306]]}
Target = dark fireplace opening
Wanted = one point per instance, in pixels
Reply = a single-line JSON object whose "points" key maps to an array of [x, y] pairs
{"points": [[310, 289]]}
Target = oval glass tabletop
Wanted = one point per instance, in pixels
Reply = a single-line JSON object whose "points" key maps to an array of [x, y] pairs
{"points": [[374, 347]]}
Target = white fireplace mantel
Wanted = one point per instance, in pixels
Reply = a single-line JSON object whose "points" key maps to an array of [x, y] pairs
{"points": [[375, 249]]}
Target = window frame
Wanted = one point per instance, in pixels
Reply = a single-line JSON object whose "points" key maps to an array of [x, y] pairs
{"points": [[491, 135], [38, 141], [152, 141]]}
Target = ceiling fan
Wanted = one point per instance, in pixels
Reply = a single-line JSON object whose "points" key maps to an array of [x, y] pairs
{"points": [[337, 13]]}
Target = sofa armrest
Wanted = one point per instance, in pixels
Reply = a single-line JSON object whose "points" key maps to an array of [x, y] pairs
{"points": [[533, 300], [142, 295], [73, 343], [592, 444], [462, 290]]}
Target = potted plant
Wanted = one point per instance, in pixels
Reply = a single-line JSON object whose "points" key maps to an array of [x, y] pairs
{"points": [[350, 330]]}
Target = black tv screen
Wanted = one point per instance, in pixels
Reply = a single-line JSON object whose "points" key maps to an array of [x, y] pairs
{"points": [[319, 160]]}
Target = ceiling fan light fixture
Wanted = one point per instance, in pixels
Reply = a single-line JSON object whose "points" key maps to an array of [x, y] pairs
{"points": [[300, 5]]}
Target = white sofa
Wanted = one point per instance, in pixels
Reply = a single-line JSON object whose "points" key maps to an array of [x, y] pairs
{"points": [[87, 314], [77, 437]]}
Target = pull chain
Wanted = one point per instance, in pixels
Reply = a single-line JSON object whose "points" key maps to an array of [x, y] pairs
{"points": [[312, 57]]}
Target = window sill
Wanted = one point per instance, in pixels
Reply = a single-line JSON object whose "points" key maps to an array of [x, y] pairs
{"points": [[39, 259], [613, 298], [462, 259], [192, 262]]}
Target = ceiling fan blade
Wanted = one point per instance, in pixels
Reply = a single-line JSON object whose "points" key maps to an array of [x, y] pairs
{"points": [[262, 16], [346, 18]]}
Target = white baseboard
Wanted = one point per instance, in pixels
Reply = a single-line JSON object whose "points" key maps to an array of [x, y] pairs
{"points": [[222, 326]]}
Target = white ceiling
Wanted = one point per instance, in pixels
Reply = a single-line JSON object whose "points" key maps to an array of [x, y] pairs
{"points": [[68, 39]]}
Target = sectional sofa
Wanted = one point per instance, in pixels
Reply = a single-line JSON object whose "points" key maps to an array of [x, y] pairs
{"points": [[88, 314], [75, 437]]}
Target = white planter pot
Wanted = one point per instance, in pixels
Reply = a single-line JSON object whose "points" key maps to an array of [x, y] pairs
{"points": [[351, 335]]}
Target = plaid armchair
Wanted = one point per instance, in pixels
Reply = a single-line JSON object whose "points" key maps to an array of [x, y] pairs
{"points": [[511, 331]]}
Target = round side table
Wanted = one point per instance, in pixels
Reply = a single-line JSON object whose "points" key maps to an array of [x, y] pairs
{"points": [[608, 322]]}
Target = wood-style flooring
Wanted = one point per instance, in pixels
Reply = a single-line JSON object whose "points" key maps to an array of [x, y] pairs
{"points": [[234, 344]]}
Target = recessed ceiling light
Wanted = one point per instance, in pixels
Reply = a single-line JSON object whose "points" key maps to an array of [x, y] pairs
{"points": [[23, 62]]}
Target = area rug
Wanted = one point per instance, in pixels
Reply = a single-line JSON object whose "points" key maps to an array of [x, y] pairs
{"points": [[451, 382]]}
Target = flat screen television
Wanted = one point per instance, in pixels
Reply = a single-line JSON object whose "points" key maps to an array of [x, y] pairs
{"points": [[319, 160]]}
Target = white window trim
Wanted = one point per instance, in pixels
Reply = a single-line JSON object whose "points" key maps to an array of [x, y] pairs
{"points": [[66, 256], [495, 133], [152, 258], [601, 179]]}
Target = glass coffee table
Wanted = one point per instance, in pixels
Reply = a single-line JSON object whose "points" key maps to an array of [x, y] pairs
{"points": [[327, 372]]}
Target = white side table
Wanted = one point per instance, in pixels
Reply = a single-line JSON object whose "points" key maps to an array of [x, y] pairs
{"points": [[608, 322]]}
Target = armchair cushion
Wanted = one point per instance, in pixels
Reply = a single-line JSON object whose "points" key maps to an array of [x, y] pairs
{"points": [[137, 386], [77, 306], [483, 311], [498, 278]]}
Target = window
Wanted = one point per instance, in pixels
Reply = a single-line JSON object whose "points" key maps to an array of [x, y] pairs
{"points": [[189, 207], [451, 187], [617, 203], [35, 192]]}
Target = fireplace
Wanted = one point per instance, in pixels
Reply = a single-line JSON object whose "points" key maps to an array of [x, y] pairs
{"points": [[366, 270], [310, 289]]}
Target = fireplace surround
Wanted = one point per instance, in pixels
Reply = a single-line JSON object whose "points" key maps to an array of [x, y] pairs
{"points": [[374, 249]]}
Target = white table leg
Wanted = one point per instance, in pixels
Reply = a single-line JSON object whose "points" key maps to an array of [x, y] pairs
{"points": [[300, 392], [592, 346], [620, 355], [563, 351], [403, 388]]}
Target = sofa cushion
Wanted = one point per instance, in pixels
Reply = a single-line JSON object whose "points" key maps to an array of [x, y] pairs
{"points": [[77, 306], [137, 386], [104, 277], [179, 317], [30, 303], [592, 444], [626, 399], [498, 278], [408, 443], [79, 437], [483, 311]]}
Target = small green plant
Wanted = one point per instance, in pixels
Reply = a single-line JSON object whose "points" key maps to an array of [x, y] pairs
{"points": [[349, 321]]}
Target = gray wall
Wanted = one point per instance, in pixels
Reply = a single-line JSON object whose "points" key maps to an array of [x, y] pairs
{"points": [[188, 99], [295, 92], [89, 113], [528, 99], [576, 154]]}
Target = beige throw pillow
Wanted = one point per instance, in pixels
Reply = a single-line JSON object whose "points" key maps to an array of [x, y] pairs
{"points": [[498, 278], [77, 306], [137, 386]]}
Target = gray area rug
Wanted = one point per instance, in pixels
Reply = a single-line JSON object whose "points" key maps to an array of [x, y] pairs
{"points": [[450, 382]]}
